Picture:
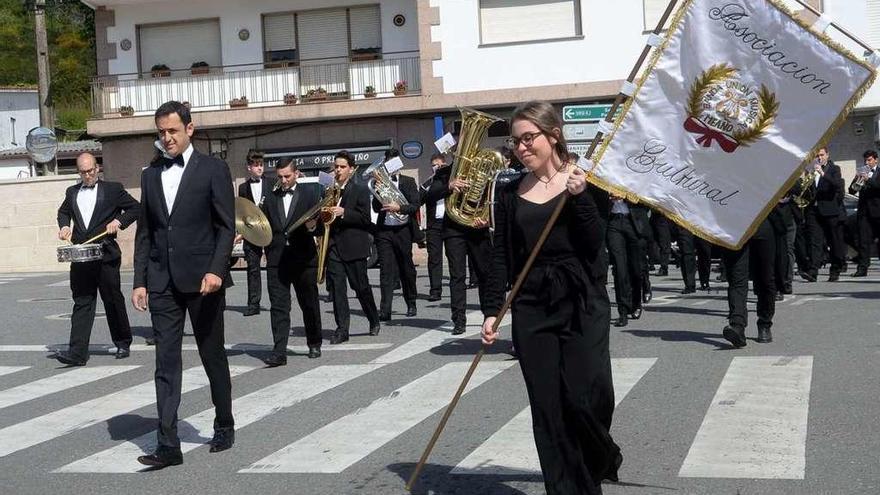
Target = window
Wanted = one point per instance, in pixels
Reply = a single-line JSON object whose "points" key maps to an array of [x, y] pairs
{"points": [[279, 37], [516, 21], [160, 44]]}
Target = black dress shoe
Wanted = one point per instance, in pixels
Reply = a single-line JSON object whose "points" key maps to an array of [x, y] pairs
{"points": [[162, 458], [275, 360], [314, 351], [787, 290], [223, 439], [384, 316], [834, 277], [647, 296], [339, 337], [688, 290], [780, 297], [252, 310], [122, 352], [735, 335], [473, 285], [149, 341], [411, 310], [809, 277], [459, 329], [65, 357], [860, 273], [704, 286], [374, 330], [621, 321], [764, 335], [635, 315], [433, 296], [663, 272]]}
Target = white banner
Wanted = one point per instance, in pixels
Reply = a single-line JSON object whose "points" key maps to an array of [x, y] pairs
{"points": [[731, 105]]}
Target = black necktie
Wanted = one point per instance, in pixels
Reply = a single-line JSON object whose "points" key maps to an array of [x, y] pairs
{"points": [[177, 160]]}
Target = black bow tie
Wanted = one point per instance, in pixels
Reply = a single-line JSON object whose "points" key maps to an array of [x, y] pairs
{"points": [[88, 187], [177, 160], [287, 191], [255, 181]]}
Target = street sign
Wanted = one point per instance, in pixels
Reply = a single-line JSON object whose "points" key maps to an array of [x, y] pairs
{"points": [[584, 113], [580, 132], [579, 148]]}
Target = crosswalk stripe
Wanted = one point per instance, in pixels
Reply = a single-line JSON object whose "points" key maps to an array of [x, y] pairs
{"points": [[109, 349], [756, 425], [344, 442], [248, 409], [55, 424], [511, 450], [8, 370], [57, 383]]}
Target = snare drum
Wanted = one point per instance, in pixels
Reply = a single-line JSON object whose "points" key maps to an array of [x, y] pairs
{"points": [[78, 253]]}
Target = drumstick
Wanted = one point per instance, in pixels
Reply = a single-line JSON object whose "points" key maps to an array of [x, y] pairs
{"points": [[93, 239]]}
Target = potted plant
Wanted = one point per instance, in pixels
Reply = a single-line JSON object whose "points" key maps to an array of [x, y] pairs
{"points": [[199, 68], [317, 94], [126, 111], [369, 92], [160, 70], [238, 102], [290, 99], [400, 88]]}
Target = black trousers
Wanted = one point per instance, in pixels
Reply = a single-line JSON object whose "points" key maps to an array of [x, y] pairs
{"points": [[355, 272], [252, 256], [304, 279], [801, 242], [168, 310], [662, 239], [87, 280], [434, 235], [822, 231], [869, 232], [394, 245], [628, 257], [756, 257], [696, 256], [459, 248]]}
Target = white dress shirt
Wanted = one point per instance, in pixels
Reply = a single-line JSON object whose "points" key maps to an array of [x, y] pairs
{"points": [[171, 178], [257, 190], [619, 206], [288, 198], [85, 201]]}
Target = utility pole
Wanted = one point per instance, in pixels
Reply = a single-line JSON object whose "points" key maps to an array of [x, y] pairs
{"points": [[47, 119]]}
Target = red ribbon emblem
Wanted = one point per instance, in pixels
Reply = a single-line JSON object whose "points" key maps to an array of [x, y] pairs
{"points": [[707, 135]]}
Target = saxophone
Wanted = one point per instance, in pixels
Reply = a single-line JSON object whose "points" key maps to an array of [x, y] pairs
{"points": [[477, 166]]}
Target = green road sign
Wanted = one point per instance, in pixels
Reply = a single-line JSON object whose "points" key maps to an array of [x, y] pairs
{"points": [[582, 113]]}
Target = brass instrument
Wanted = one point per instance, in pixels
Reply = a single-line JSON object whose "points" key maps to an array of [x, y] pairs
{"points": [[858, 182], [476, 166], [321, 211], [807, 192], [380, 184]]}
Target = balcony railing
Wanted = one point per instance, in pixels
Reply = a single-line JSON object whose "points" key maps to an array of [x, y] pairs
{"points": [[256, 85]]}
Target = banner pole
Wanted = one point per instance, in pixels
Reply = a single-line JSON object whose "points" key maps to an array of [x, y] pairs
{"points": [[531, 259], [840, 28]]}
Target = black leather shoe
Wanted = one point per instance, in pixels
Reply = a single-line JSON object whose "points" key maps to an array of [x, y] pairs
{"points": [[704, 286], [635, 315], [411, 310], [433, 296], [833, 277], [251, 311], [647, 296], [459, 329], [223, 439], [688, 290], [384, 316], [122, 352], [764, 335], [149, 341], [735, 335], [780, 297], [374, 330], [473, 285], [339, 337], [162, 458], [663, 272], [809, 277], [65, 357], [275, 360], [621, 321], [314, 351], [860, 273]]}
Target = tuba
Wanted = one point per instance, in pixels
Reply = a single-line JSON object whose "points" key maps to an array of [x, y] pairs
{"points": [[380, 184], [477, 166], [321, 211]]}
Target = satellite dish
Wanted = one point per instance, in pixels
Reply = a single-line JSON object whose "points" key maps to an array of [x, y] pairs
{"points": [[41, 144]]}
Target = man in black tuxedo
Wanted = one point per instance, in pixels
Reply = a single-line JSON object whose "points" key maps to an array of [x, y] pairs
{"points": [[181, 258], [868, 212], [435, 211], [394, 245], [292, 259], [95, 206], [627, 228], [824, 217], [349, 249], [255, 188]]}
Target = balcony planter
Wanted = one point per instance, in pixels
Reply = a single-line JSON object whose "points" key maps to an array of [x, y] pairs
{"points": [[369, 92], [238, 102], [319, 94], [160, 70], [290, 99], [199, 68], [126, 111]]}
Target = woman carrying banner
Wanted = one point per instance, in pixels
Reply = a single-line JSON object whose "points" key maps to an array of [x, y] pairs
{"points": [[562, 315]]}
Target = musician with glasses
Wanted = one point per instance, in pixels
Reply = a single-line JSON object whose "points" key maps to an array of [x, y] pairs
{"points": [[95, 206], [254, 188]]}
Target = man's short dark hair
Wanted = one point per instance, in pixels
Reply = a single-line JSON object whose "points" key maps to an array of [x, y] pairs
{"points": [[177, 107], [254, 156], [869, 153], [284, 163], [345, 155], [438, 156]]}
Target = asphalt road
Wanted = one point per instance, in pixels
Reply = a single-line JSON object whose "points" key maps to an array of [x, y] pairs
{"points": [[796, 416]]}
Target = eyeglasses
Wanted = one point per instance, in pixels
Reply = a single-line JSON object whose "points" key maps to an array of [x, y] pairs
{"points": [[90, 171], [526, 138]]}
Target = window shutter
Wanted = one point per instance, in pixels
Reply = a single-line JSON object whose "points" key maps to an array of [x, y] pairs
{"points": [[160, 44], [873, 34], [366, 29], [510, 21], [322, 34], [279, 32]]}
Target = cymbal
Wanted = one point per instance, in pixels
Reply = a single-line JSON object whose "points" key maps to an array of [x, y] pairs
{"points": [[251, 223]]}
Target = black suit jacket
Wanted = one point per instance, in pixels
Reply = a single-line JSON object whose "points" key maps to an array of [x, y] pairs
{"points": [[869, 196], [195, 237], [430, 206], [112, 203], [829, 192], [410, 191], [638, 215], [299, 246], [350, 233]]}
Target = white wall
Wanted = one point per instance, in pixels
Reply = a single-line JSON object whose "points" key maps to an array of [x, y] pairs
{"points": [[852, 15], [235, 15], [23, 106], [14, 168]]}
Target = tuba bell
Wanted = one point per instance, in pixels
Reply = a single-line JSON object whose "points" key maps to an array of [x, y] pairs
{"points": [[476, 166], [383, 188]]}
